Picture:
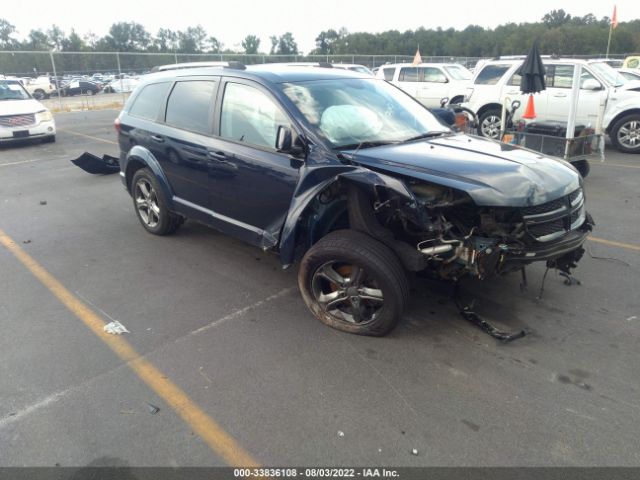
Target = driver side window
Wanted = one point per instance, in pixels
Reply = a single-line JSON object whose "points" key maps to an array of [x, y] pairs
{"points": [[250, 116]]}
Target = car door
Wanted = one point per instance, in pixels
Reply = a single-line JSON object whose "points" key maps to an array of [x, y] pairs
{"points": [[559, 79], [253, 183], [181, 142], [511, 93], [408, 80], [433, 86]]}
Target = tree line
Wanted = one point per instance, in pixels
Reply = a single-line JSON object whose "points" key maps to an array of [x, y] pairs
{"points": [[558, 32]]}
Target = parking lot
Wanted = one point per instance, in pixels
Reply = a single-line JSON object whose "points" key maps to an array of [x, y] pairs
{"points": [[222, 344]]}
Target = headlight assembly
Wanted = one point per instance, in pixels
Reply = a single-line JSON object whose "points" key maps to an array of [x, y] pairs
{"points": [[44, 116]]}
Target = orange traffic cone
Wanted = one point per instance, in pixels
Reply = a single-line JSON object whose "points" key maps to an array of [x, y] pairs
{"points": [[530, 111]]}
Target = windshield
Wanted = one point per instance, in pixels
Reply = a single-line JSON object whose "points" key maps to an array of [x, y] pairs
{"points": [[608, 74], [458, 73], [12, 90], [361, 112]]}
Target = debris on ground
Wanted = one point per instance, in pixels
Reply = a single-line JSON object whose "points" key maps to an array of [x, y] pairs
{"points": [[43, 202], [98, 166], [340, 433], [153, 409], [115, 328], [631, 318], [26, 241], [127, 412], [204, 375], [414, 451]]}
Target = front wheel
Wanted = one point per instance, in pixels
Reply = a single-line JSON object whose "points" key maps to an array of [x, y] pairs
{"points": [[489, 124], [354, 283], [625, 134]]}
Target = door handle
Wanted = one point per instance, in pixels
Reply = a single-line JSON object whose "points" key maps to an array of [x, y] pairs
{"points": [[560, 95], [157, 138], [514, 92], [220, 156]]}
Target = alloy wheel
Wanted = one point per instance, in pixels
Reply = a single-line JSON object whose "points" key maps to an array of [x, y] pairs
{"points": [[347, 292], [629, 134], [147, 202], [490, 126]]}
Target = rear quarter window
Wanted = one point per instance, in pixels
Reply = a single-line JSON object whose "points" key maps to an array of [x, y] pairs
{"points": [[149, 101], [491, 74], [388, 73]]}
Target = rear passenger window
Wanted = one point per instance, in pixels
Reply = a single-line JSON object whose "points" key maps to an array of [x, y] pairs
{"points": [[148, 102], [491, 74], [388, 73], [250, 116], [408, 74], [559, 76], [189, 105]]}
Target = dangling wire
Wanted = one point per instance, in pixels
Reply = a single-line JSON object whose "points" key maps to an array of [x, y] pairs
{"points": [[544, 277]]}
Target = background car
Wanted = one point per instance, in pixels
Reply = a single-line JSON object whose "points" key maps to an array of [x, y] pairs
{"points": [[496, 82], [428, 83], [22, 117], [122, 85], [79, 87], [630, 73]]}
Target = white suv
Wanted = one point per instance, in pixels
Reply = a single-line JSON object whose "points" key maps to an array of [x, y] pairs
{"points": [[428, 83], [496, 82]]}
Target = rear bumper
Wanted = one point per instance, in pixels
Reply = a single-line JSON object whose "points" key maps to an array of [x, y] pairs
{"points": [[40, 130]]}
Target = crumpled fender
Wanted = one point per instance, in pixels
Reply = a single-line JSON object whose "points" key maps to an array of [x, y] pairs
{"points": [[314, 178], [144, 156]]}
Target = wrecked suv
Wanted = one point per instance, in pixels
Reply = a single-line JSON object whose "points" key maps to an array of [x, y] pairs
{"points": [[349, 176]]}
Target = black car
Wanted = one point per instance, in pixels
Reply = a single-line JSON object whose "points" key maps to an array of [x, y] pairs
{"points": [[348, 175], [79, 87]]}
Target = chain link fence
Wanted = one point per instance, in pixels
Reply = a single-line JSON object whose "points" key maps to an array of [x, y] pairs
{"points": [[64, 66]]}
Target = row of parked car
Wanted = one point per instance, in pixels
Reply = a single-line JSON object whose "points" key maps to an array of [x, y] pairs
{"points": [[495, 83]]}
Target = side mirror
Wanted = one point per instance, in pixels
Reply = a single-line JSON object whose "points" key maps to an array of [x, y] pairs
{"points": [[591, 84], [286, 144], [443, 102]]}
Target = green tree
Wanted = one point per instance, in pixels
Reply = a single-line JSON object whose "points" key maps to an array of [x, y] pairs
{"points": [[73, 43], [56, 37], [127, 37], [6, 34], [192, 40], [251, 44], [556, 18], [284, 45], [215, 46], [37, 40]]}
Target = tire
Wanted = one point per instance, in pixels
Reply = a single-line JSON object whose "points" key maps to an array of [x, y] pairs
{"points": [[39, 94], [625, 134], [370, 304], [489, 124], [150, 204], [89, 92]]}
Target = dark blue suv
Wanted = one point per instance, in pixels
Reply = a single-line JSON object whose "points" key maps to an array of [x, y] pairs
{"points": [[346, 174]]}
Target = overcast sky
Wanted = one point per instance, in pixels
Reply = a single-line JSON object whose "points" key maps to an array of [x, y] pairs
{"points": [[230, 21]]}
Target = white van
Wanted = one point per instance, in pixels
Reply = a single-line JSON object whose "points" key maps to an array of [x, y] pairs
{"points": [[428, 83]]}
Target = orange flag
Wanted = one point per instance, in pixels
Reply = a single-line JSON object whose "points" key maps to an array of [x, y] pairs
{"points": [[614, 18], [417, 59]]}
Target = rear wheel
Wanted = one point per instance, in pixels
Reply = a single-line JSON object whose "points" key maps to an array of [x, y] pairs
{"points": [[489, 124], [151, 206], [354, 283], [625, 134], [39, 94]]}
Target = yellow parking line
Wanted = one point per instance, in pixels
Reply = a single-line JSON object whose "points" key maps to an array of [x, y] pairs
{"points": [[629, 246], [87, 136], [208, 429]]}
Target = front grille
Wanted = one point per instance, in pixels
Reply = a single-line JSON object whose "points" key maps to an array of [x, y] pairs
{"points": [[545, 207], [13, 121], [549, 228], [556, 218]]}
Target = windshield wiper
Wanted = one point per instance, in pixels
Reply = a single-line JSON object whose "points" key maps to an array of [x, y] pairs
{"points": [[426, 135], [369, 144]]}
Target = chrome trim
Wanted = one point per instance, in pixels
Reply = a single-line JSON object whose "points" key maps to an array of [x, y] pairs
{"points": [[579, 198], [545, 214], [219, 216]]}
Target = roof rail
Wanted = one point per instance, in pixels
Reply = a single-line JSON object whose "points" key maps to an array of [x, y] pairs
{"points": [[235, 65], [325, 64]]}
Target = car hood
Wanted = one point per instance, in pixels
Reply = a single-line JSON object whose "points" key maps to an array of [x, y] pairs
{"points": [[19, 107], [492, 173], [630, 85]]}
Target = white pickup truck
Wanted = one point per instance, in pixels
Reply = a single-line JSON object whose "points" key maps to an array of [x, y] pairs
{"points": [[40, 87], [496, 82]]}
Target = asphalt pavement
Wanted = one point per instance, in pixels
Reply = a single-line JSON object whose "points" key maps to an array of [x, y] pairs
{"points": [[222, 343]]}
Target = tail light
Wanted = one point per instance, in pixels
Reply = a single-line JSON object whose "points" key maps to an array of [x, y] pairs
{"points": [[116, 124]]}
